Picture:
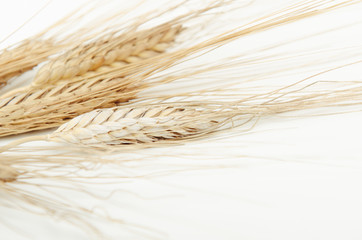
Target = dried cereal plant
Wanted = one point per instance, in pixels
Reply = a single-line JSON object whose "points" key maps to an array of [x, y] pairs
{"points": [[113, 50], [91, 61], [65, 35], [86, 61], [52, 106], [28, 53], [145, 125], [91, 115], [134, 127]]}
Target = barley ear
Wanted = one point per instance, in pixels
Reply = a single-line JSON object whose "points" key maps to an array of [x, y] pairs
{"points": [[104, 55]]}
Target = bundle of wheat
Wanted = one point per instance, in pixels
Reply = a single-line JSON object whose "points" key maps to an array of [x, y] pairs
{"points": [[52, 105], [86, 92]]}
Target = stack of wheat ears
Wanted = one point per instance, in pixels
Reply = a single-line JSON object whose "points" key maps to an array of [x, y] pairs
{"points": [[143, 78]]}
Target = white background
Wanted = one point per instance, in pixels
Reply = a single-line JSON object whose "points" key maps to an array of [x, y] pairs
{"points": [[289, 178]]}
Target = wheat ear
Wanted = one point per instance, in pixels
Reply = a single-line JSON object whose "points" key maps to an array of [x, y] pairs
{"points": [[25, 55], [52, 106], [102, 57], [144, 125], [104, 54], [135, 125]]}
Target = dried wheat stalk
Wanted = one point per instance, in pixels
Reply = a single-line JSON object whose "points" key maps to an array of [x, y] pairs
{"points": [[136, 125], [52, 106], [172, 122], [142, 125], [25, 55], [66, 34], [100, 56]]}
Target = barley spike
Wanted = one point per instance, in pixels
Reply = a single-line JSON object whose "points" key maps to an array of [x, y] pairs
{"points": [[103, 55]]}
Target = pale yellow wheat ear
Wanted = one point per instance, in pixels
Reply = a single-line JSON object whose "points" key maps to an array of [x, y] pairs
{"points": [[140, 126], [64, 34], [53, 105], [115, 49], [144, 126], [147, 125], [28, 53], [103, 55]]}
